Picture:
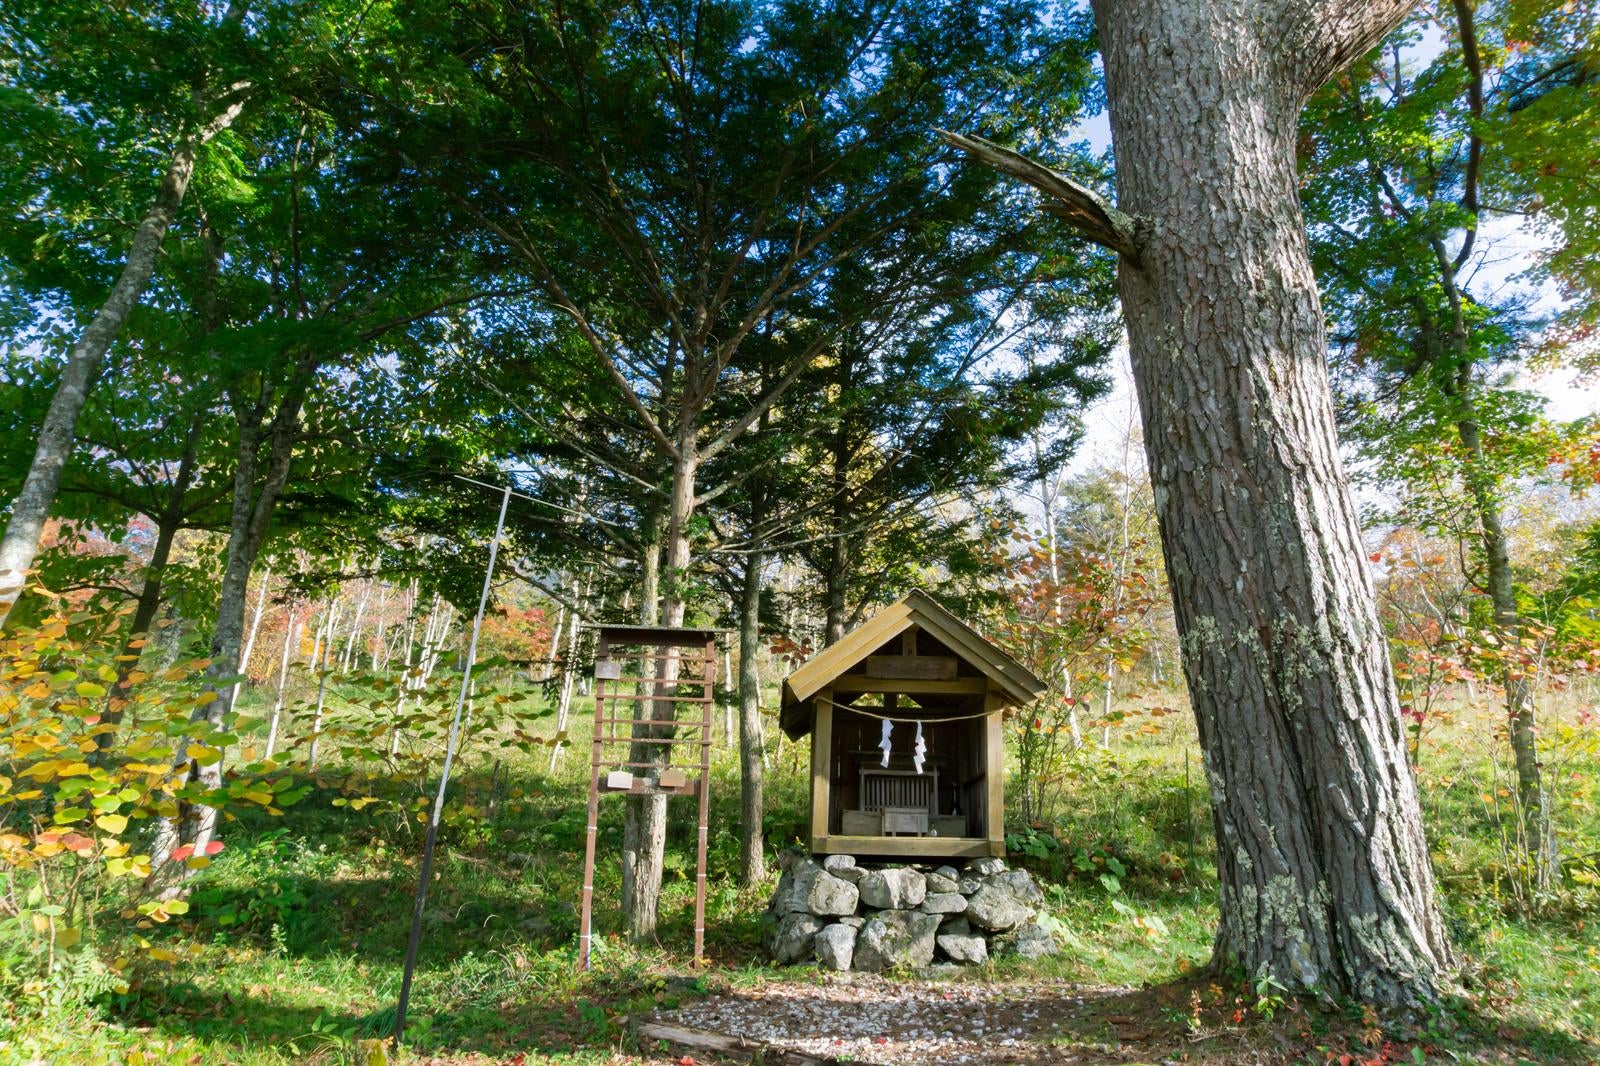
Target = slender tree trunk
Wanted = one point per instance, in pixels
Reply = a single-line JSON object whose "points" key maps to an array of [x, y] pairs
{"points": [[144, 612], [728, 701], [355, 630], [644, 836], [250, 640], [569, 665], [32, 505], [255, 494], [380, 631], [1324, 874], [840, 548], [405, 668], [291, 629], [752, 842], [1064, 668], [1538, 840], [329, 637], [549, 669]]}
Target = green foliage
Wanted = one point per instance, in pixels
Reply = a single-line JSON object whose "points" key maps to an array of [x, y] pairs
{"points": [[72, 851]]}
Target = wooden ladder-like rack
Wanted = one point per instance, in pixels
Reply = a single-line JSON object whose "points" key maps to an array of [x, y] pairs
{"points": [[643, 676]]}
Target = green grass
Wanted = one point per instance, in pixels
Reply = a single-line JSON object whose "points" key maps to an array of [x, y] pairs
{"points": [[298, 930]]}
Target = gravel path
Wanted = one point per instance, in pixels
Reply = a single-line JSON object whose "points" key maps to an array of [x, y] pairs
{"points": [[863, 1018]]}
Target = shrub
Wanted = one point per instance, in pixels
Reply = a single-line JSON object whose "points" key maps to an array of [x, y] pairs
{"points": [[89, 759]]}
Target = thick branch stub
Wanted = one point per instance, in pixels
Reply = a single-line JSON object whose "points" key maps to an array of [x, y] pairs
{"points": [[1081, 207]]}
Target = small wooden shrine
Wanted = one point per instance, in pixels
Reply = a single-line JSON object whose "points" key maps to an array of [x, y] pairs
{"points": [[907, 748]]}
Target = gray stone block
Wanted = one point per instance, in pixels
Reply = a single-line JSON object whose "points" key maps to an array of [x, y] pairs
{"points": [[996, 908], [792, 938], [944, 903], [894, 938], [970, 948], [835, 946], [894, 889]]}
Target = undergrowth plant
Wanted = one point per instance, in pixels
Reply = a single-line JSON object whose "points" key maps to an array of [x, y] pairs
{"points": [[75, 812]]}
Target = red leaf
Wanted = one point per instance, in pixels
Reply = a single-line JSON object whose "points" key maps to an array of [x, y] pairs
{"points": [[77, 842], [183, 853], [213, 847]]}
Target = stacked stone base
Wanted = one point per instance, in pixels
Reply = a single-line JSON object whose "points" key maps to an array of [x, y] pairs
{"points": [[875, 917]]}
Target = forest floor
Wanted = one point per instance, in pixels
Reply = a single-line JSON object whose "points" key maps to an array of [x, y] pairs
{"points": [[292, 949]]}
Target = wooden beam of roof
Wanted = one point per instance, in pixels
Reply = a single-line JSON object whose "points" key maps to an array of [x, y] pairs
{"points": [[1013, 683], [911, 686]]}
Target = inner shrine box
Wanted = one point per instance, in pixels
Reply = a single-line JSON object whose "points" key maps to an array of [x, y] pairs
{"points": [[913, 663]]}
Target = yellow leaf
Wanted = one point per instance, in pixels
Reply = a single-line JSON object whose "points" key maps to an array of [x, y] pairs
{"points": [[203, 755], [89, 690], [66, 938], [162, 955], [177, 906], [112, 823]]}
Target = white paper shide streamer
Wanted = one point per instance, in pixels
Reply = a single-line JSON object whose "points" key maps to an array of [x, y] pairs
{"points": [[888, 727], [919, 751]]}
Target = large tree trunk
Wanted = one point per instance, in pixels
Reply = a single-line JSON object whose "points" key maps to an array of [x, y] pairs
{"points": [[837, 583], [644, 837], [1324, 875], [752, 843], [32, 505]]}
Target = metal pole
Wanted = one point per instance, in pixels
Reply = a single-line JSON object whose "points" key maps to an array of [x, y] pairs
{"points": [[415, 939]]}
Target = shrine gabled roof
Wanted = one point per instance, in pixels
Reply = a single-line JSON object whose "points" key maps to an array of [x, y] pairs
{"points": [[1015, 683]]}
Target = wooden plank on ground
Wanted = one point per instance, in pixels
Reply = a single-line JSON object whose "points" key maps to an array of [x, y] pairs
{"points": [[722, 1043]]}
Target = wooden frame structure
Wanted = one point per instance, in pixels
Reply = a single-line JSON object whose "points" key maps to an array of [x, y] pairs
{"points": [[650, 672], [928, 667]]}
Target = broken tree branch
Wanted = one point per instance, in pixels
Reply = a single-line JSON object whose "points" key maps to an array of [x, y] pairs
{"points": [[1079, 206]]}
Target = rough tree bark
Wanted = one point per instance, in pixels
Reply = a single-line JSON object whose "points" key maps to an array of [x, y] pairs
{"points": [[1323, 870]]}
